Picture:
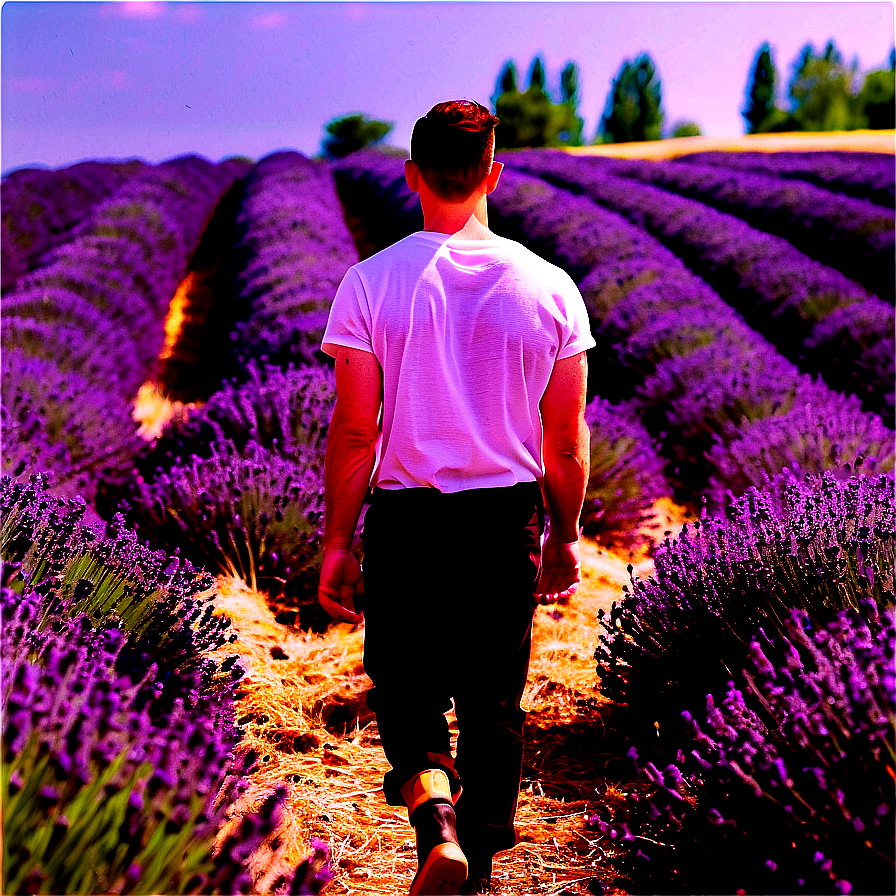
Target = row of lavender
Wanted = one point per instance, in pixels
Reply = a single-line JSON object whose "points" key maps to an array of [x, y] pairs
{"points": [[41, 207], [107, 688], [83, 330], [755, 671], [855, 236], [118, 753], [813, 314], [238, 484], [862, 175]]}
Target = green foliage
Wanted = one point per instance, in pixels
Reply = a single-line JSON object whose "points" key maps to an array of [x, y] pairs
{"points": [[353, 132], [876, 100], [634, 106], [822, 91], [532, 118], [761, 91], [538, 75], [825, 94], [686, 129]]}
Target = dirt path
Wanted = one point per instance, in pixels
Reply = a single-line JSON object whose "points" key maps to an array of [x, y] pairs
{"points": [[302, 705]]}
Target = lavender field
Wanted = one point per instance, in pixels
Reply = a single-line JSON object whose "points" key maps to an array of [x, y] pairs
{"points": [[743, 307]]}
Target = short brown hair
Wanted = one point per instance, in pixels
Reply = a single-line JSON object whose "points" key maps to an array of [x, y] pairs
{"points": [[452, 146]]}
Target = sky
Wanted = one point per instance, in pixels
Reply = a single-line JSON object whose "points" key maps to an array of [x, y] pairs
{"points": [[153, 80]]}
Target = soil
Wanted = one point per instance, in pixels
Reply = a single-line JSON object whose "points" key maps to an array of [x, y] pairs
{"points": [[302, 707]]}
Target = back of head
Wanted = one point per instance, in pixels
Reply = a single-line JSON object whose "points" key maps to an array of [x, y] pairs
{"points": [[453, 146]]}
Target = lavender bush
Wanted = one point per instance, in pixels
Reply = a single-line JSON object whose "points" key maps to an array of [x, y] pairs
{"points": [[253, 513], [862, 175], [830, 432], [788, 782], [98, 796], [852, 349], [283, 410], [102, 790], [819, 545], [60, 421], [626, 474], [163, 603], [107, 692], [64, 343], [780, 291]]}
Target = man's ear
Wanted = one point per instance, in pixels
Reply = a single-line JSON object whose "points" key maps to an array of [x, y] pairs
{"points": [[412, 175], [493, 176]]}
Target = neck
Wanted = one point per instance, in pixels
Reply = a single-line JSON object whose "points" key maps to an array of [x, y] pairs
{"points": [[467, 220]]}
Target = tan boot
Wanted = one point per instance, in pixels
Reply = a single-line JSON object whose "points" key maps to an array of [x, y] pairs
{"points": [[442, 866]]}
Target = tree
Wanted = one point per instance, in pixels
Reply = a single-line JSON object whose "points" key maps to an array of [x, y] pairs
{"points": [[686, 129], [760, 91], [353, 132], [634, 106], [571, 129], [876, 98], [823, 95], [538, 76], [507, 80], [532, 118]]}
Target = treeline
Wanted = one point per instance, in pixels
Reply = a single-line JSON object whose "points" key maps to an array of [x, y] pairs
{"points": [[823, 93]]}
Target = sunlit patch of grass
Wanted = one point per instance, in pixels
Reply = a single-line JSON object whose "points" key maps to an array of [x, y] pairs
{"points": [[153, 410]]}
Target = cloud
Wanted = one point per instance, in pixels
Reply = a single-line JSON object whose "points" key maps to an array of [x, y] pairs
{"points": [[134, 9], [268, 20]]}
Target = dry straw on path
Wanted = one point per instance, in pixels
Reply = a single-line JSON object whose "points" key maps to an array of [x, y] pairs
{"points": [[302, 709]]}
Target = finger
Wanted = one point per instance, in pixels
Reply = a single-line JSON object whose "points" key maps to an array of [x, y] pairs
{"points": [[347, 597], [551, 582], [336, 610]]}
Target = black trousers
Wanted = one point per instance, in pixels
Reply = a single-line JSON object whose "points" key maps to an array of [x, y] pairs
{"points": [[449, 583]]}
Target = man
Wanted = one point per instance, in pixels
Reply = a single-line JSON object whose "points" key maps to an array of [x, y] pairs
{"points": [[460, 377]]}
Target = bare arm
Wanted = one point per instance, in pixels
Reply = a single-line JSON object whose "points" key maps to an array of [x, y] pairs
{"points": [[351, 453], [566, 452]]}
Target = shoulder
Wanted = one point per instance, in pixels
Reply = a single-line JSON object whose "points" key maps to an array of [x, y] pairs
{"points": [[535, 265], [404, 248]]}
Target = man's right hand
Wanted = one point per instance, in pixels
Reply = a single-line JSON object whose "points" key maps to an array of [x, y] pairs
{"points": [[560, 571], [340, 581]]}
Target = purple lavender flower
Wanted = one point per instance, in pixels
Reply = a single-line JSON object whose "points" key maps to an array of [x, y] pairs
{"points": [[626, 474], [853, 235], [862, 175], [293, 248]]}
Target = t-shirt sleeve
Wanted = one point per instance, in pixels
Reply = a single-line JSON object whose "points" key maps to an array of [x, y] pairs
{"points": [[577, 333], [349, 321]]}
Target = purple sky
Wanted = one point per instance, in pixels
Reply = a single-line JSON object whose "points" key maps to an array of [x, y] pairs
{"points": [[124, 79]]}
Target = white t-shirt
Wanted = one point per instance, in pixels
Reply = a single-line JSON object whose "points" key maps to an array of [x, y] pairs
{"points": [[466, 333]]}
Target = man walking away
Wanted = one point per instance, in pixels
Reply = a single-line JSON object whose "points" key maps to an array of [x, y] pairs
{"points": [[460, 376]]}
